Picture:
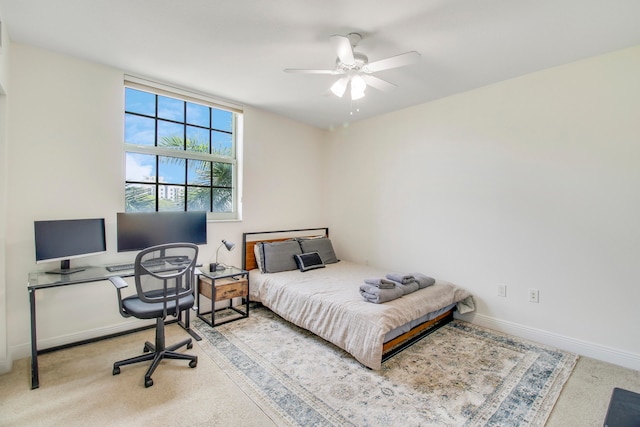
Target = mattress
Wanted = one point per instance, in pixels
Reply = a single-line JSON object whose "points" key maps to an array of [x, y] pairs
{"points": [[327, 302]]}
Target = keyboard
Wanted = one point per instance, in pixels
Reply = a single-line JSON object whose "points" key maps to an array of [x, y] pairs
{"points": [[123, 267], [119, 267]]}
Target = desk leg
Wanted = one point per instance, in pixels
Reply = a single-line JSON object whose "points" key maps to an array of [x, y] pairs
{"points": [[247, 297], [186, 325], [35, 382]]}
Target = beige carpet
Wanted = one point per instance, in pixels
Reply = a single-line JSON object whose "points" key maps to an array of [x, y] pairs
{"points": [[77, 389]]}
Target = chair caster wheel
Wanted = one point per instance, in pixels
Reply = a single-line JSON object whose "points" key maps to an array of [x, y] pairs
{"points": [[148, 383], [146, 349], [193, 363], [190, 345], [116, 370]]}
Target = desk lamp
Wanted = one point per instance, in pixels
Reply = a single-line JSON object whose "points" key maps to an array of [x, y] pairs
{"points": [[214, 266]]}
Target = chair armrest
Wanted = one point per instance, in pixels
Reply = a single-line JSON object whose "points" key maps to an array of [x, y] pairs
{"points": [[118, 282]]}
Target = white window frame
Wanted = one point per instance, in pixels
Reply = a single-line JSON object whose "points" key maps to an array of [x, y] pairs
{"points": [[189, 96]]}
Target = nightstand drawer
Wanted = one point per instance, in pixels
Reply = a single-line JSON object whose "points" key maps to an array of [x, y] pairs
{"points": [[225, 289]]}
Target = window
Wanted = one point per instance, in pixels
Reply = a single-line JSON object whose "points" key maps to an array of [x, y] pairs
{"points": [[181, 152]]}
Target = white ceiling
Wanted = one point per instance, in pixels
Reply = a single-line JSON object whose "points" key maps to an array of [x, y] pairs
{"points": [[237, 49]]}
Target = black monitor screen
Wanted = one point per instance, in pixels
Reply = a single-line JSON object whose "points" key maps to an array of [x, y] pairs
{"points": [[61, 240], [140, 230]]}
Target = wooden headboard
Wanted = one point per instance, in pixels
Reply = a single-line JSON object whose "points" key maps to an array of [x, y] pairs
{"points": [[249, 241]]}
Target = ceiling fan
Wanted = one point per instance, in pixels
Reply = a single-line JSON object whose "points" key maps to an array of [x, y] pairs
{"points": [[356, 70]]}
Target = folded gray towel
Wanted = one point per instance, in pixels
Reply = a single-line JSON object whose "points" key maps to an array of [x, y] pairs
{"points": [[380, 283], [399, 277], [408, 287], [376, 295], [423, 281]]}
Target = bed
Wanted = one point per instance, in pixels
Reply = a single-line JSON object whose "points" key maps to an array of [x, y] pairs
{"points": [[327, 300]]}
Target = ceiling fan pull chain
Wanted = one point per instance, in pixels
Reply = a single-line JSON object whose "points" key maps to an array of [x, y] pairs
{"points": [[351, 107]]}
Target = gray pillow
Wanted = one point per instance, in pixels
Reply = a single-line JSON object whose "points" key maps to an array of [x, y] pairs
{"points": [[278, 256], [321, 245]]}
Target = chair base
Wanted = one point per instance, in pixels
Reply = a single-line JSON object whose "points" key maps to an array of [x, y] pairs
{"points": [[156, 353]]}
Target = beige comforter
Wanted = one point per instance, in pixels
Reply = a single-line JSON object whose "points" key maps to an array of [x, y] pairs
{"points": [[327, 302]]}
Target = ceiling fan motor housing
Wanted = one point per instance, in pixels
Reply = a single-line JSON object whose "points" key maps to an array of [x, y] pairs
{"points": [[354, 39], [359, 64]]}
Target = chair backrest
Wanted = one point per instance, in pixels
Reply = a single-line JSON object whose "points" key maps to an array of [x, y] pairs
{"points": [[165, 273]]}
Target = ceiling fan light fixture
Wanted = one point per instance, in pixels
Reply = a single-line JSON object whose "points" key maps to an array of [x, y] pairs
{"points": [[358, 85], [356, 95], [339, 87]]}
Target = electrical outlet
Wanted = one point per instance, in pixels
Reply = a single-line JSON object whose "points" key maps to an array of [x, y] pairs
{"points": [[502, 290], [534, 295]]}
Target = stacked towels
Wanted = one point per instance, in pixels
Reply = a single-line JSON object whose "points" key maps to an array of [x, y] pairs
{"points": [[393, 286], [423, 281], [380, 283], [378, 295], [406, 282]]}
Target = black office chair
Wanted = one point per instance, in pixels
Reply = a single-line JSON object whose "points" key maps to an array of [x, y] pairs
{"points": [[164, 277]]}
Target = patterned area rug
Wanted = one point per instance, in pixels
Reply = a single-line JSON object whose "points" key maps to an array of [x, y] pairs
{"points": [[460, 375]]}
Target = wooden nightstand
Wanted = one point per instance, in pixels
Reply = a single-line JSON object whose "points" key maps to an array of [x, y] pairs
{"points": [[224, 285]]}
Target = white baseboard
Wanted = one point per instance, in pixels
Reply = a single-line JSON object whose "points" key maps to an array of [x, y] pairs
{"points": [[24, 350], [5, 366], [583, 348]]}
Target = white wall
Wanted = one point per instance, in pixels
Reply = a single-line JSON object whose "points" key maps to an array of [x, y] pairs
{"points": [[5, 360], [66, 161], [284, 173], [532, 183]]}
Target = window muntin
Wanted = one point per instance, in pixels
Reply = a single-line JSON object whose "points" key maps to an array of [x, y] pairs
{"points": [[180, 155]]}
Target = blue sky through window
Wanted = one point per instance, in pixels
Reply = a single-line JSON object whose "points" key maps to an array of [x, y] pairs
{"points": [[170, 108], [197, 114], [139, 130], [141, 167], [140, 102], [222, 120]]}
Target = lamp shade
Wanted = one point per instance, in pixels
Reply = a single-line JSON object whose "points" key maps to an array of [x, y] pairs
{"points": [[229, 245]]}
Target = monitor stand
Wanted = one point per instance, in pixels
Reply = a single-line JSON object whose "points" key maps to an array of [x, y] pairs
{"points": [[65, 268]]}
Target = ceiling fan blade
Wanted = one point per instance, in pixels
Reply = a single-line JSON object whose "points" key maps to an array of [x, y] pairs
{"points": [[343, 48], [304, 71], [378, 83], [401, 60]]}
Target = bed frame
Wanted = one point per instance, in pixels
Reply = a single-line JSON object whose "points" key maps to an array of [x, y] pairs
{"points": [[390, 348]]}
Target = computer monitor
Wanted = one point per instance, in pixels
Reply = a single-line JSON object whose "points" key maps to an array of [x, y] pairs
{"points": [[63, 240], [140, 230]]}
